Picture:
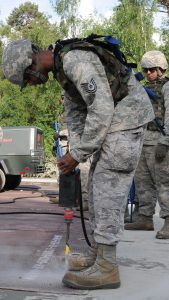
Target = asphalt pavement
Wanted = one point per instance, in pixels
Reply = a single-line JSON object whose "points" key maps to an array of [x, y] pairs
{"points": [[32, 259]]}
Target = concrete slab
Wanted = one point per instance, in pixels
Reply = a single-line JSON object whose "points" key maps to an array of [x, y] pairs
{"points": [[32, 260], [32, 252]]}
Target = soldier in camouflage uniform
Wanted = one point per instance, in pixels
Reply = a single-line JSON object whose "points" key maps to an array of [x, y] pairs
{"points": [[106, 113], [152, 174]]}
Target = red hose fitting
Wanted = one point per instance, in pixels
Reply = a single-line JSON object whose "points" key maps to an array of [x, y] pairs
{"points": [[68, 215]]}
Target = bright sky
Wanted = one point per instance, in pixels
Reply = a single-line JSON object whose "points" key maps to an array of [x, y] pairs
{"points": [[87, 6]]}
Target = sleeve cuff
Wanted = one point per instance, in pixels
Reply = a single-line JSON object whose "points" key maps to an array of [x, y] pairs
{"points": [[79, 158]]}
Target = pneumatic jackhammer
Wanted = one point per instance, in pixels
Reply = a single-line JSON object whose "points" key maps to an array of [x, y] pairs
{"points": [[69, 198], [69, 189]]}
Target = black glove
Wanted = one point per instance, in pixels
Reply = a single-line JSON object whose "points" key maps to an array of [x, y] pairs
{"points": [[160, 152]]}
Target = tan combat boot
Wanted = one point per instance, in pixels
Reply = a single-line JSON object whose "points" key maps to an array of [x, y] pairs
{"points": [[164, 232], [78, 261], [104, 274], [142, 223]]}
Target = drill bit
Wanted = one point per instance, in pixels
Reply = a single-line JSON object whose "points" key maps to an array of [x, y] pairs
{"points": [[67, 249]]}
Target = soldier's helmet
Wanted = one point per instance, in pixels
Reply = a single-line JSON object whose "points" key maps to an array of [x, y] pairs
{"points": [[154, 59], [17, 56]]}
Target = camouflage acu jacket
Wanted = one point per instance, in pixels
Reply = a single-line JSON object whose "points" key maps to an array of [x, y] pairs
{"points": [[161, 110], [117, 74], [158, 103], [91, 111]]}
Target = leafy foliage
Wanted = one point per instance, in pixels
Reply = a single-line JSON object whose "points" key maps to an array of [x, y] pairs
{"points": [[67, 10], [131, 21], [24, 15], [133, 25]]}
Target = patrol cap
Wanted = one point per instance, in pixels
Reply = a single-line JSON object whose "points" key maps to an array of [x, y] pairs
{"points": [[154, 59], [17, 56]]}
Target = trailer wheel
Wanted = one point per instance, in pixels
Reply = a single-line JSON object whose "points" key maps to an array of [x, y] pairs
{"points": [[2, 180], [12, 181]]}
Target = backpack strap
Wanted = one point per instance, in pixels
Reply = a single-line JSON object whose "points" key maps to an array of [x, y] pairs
{"points": [[110, 43]]}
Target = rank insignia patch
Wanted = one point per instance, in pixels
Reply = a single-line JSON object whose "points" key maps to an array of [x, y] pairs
{"points": [[89, 87]]}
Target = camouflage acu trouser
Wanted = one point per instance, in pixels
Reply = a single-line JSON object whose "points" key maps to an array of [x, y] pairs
{"points": [[110, 178], [152, 183]]}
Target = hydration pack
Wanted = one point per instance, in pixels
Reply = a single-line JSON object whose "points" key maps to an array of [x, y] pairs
{"points": [[116, 67]]}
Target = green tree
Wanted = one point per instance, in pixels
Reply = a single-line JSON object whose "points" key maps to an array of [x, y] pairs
{"points": [[26, 21], [38, 105], [132, 23], [68, 11], [93, 24], [164, 47], [164, 30], [24, 15]]}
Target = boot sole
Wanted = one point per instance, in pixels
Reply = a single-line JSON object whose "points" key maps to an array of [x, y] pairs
{"points": [[160, 237], [143, 229], [78, 268], [81, 287]]}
